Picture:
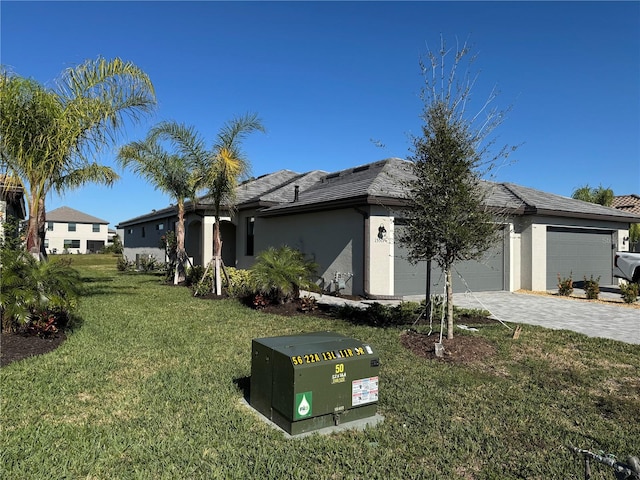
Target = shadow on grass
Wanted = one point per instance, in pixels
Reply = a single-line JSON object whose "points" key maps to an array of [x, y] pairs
{"points": [[244, 385]]}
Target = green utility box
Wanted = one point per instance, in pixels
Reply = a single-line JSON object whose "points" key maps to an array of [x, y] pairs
{"points": [[314, 380]]}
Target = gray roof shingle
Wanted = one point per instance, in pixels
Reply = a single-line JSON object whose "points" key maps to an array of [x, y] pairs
{"points": [[384, 181], [66, 215]]}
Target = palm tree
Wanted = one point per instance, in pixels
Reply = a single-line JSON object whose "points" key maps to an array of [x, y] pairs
{"points": [[227, 165], [176, 172], [599, 195], [49, 137]]}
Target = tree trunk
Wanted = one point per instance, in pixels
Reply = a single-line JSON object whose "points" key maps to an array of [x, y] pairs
{"points": [[217, 255], [449, 304], [180, 271], [33, 239], [42, 231]]}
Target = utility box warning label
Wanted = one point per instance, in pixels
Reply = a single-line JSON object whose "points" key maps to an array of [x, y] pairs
{"points": [[364, 390]]}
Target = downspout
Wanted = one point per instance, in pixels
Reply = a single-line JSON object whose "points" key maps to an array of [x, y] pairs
{"points": [[365, 263]]}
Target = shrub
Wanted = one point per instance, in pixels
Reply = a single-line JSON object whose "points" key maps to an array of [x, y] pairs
{"points": [[592, 288], [125, 265], [565, 285], [238, 282], [308, 304], [280, 274], [193, 277], [380, 315], [36, 295], [629, 292], [149, 263]]}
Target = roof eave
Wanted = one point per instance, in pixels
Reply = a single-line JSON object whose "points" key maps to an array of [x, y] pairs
{"points": [[590, 216]]}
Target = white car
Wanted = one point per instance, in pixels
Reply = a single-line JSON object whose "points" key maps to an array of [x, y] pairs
{"points": [[627, 265]]}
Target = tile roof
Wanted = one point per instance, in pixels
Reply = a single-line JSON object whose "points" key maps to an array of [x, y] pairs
{"points": [[66, 215], [627, 203], [384, 182]]}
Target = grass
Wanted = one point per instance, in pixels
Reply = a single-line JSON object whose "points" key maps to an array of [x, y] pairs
{"points": [[147, 387]]}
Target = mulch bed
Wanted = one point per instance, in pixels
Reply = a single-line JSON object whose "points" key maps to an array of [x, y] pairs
{"points": [[15, 346], [461, 349]]}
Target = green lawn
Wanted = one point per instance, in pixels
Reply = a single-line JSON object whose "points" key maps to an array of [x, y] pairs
{"points": [[146, 387]]}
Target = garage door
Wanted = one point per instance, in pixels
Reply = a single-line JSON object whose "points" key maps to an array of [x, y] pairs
{"points": [[580, 253], [477, 276]]}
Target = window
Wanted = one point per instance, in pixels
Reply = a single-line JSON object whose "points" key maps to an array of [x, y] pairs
{"points": [[129, 231], [71, 227], [96, 227], [143, 232], [49, 226], [251, 221], [46, 243], [72, 243], [160, 226]]}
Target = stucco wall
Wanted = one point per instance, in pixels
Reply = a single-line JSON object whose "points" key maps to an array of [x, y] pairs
{"points": [[533, 257], [333, 239], [380, 254], [83, 233]]}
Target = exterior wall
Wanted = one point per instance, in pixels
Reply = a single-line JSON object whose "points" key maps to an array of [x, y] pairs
{"points": [[379, 256], [243, 258], [512, 257], [145, 238], [84, 233], [621, 239], [533, 255], [333, 239]]}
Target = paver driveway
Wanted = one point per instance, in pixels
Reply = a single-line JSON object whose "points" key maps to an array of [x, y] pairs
{"points": [[613, 321]]}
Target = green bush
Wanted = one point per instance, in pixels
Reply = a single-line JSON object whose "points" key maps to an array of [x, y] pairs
{"points": [[592, 287], [629, 292], [238, 282], [380, 315], [280, 274], [194, 275], [125, 265], [565, 285], [36, 296]]}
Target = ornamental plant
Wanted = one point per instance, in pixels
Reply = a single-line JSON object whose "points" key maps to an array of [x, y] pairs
{"points": [[36, 297], [629, 292], [592, 287], [280, 274], [565, 285]]}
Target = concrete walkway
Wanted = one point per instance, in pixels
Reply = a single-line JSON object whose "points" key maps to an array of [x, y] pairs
{"points": [[614, 321]]}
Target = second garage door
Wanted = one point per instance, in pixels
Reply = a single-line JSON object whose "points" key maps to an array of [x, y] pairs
{"points": [[476, 276], [580, 253]]}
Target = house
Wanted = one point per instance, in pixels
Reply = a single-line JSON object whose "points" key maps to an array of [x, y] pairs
{"points": [[12, 202], [72, 231], [629, 204], [346, 222]]}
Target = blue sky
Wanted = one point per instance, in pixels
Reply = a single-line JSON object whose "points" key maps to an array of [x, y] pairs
{"points": [[332, 80]]}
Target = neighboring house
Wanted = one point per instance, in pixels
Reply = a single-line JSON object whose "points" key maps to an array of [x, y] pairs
{"points": [[346, 222], [72, 231], [11, 202], [629, 204]]}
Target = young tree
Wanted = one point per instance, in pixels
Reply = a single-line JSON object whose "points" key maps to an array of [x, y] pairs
{"points": [[177, 172], [600, 195], [447, 219], [49, 137], [227, 165]]}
